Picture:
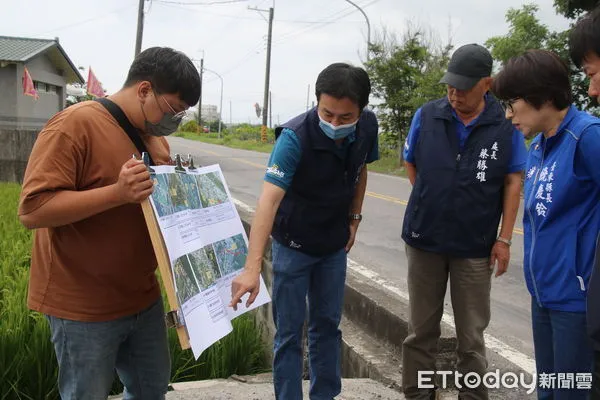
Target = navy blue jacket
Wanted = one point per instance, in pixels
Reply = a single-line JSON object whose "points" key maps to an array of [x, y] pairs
{"points": [[457, 199], [313, 215]]}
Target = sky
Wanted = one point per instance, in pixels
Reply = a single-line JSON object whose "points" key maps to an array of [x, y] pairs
{"points": [[308, 35]]}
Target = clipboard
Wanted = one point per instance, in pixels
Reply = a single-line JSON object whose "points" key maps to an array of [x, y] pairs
{"points": [[173, 316]]}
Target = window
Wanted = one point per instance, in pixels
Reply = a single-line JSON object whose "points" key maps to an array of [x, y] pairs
{"points": [[39, 86]]}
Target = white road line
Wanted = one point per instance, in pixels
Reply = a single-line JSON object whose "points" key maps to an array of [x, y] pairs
{"points": [[522, 360], [513, 355]]}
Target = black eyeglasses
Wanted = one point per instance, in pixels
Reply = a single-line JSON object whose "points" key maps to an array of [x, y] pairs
{"points": [[507, 105]]}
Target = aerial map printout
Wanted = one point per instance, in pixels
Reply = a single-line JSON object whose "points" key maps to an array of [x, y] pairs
{"points": [[207, 246]]}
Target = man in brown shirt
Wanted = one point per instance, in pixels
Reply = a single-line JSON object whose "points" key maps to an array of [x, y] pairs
{"points": [[93, 266]]}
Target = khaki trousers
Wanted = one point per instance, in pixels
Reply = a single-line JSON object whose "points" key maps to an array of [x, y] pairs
{"points": [[470, 285]]}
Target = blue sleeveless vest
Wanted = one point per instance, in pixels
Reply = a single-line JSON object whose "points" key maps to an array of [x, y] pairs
{"points": [[313, 215]]}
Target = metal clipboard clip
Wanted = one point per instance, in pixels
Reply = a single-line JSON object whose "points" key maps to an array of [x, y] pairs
{"points": [[172, 319], [146, 159], [179, 165], [191, 165]]}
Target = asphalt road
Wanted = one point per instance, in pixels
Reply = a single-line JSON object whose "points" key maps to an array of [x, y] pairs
{"points": [[379, 246]]}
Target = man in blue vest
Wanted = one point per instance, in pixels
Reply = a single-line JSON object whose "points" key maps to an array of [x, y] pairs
{"points": [[584, 48], [311, 204], [465, 162]]}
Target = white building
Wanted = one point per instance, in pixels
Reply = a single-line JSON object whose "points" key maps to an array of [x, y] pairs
{"points": [[210, 113]]}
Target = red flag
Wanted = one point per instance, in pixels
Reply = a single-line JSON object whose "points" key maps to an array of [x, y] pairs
{"points": [[258, 110], [94, 87], [28, 88]]}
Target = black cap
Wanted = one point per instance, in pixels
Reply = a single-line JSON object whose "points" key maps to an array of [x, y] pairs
{"points": [[468, 65]]}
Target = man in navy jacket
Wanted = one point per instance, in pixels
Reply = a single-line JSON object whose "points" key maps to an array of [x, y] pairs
{"points": [[464, 160], [311, 205]]}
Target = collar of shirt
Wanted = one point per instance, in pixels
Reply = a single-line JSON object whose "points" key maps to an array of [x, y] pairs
{"points": [[470, 125]]}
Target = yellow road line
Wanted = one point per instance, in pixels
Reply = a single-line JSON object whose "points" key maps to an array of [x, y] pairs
{"points": [[391, 199], [210, 152], [387, 198], [261, 166], [518, 231]]}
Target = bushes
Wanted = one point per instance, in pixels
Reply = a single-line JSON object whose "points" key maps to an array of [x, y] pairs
{"points": [[190, 126], [28, 367]]}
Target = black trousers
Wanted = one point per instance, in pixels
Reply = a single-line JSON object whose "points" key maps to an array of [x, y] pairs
{"points": [[595, 393]]}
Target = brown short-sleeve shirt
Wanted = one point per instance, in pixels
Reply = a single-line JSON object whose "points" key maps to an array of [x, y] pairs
{"points": [[102, 267]]}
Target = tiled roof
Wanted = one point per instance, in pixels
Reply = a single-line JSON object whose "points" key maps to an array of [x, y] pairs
{"points": [[22, 49]]}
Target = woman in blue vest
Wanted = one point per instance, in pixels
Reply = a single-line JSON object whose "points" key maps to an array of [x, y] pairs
{"points": [[562, 215]]}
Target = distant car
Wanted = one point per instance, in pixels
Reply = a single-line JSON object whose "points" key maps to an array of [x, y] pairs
{"points": [[206, 129]]}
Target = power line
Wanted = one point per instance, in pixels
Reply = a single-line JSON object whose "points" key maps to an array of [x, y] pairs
{"points": [[209, 3], [257, 49], [87, 20], [254, 51], [293, 21], [204, 12], [227, 27], [323, 22]]}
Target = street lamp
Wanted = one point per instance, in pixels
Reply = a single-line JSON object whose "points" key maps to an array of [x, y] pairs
{"points": [[221, 104], [368, 27]]}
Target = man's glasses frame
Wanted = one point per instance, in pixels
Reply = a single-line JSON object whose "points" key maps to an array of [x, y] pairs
{"points": [[175, 116]]}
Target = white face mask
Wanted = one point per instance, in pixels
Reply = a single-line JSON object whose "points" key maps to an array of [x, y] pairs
{"points": [[337, 132]]}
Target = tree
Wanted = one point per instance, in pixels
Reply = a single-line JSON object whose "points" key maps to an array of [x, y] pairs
{"points": [[404, 75], [527, 32], [573, 9]]}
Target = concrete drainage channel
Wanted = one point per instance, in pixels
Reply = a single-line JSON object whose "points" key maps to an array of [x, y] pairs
{"points": [[374, 325]]}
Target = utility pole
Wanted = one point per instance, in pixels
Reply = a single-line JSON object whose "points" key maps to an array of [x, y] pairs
{"points": [[307, 96], [263, 128], [140, 28], [221, 104], [270, 110], [200, 99], [368, 28]]}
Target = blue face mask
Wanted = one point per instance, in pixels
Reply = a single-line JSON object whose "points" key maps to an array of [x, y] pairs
{"points": [[337, 132]]}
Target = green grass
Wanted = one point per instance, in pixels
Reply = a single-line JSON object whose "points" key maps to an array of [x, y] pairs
{"points": [[385, 165], [227, 140], [28, 369]]}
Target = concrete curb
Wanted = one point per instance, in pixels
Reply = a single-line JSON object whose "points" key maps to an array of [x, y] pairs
{"points": [[260, 387], [365, 304], [374, 325]]}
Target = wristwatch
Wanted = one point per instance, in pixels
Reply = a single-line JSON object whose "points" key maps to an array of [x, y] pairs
{"points": [[355, 217], [505, 241]]}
